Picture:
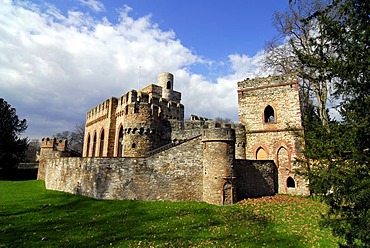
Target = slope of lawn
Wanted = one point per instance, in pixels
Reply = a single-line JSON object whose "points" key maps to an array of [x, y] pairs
{"points": [[31, 216]]}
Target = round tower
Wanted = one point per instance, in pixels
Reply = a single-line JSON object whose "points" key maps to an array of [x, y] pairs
{"points": [[141, 129], [165, 80], [218, 166]]}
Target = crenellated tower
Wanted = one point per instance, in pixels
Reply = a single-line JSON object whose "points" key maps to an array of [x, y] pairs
{"points": [[135, 123]]}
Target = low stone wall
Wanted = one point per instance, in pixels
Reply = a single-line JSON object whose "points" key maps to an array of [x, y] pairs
{"points": [[256, 178], [174, 175]]}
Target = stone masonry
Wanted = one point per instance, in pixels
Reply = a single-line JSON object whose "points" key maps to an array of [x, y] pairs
{"points": [[139, 146]]}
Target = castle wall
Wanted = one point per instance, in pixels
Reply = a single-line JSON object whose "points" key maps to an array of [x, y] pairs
{"points": [[174, 174], [99, 128], [255, 178]]}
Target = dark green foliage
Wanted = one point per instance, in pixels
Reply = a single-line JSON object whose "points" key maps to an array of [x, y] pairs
{"points": [[12, 147], [337, 160]]}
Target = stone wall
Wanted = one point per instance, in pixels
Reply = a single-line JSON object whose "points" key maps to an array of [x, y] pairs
{"points": [[174, 175], [255, 178]]}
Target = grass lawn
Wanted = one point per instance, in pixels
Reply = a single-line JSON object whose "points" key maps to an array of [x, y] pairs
{"points": [[31, 216]]}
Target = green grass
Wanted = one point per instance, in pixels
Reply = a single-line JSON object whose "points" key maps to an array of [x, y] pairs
{"points": [[31, 216]]}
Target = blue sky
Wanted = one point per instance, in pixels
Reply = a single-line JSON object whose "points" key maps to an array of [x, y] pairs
{"points": [[59, 59]]}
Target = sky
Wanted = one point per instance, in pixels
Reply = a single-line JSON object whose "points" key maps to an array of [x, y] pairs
{"points": [[59, 59]]}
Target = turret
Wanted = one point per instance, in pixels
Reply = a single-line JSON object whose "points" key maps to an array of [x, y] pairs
{"points": [[218, 164]]}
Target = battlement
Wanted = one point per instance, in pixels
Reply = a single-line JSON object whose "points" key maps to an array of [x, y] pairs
{"points": [[271, 81], [101, 111], [54, 144]]}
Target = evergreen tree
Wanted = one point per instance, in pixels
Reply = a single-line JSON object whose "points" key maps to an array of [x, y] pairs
{"points": [[12, 146], [337, 162]]}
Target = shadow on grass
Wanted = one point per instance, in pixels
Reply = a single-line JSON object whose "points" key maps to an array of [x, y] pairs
{"points": [[75, 221], [18, 174]]}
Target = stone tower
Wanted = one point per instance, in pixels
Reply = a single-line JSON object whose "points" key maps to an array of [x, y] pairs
{"points": [[165, 80], [270, 110], [141, 126], [218, 165]]}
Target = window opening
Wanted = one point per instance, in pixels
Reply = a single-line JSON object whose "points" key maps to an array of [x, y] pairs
{"points": [[88, 146], [269, 114], [120, 139], [168, 85], [94, 145], [101, 144], [290, 183]]}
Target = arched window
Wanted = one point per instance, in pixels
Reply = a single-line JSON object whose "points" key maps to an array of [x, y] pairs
{"points": [[168, 85], [290, 183], [283, 158], [133, 146], [269, 114], [120, 139], [94, 146], [101, 144], [261, 154], [88, 146]]}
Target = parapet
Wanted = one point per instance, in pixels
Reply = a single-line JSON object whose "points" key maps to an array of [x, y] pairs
{"points": [[54, 144], [267, 81], [225, 133], [100, 112]]}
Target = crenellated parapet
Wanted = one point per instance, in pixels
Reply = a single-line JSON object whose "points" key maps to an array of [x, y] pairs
{"points": [[101, 112], [54, 144], [50, 148]]}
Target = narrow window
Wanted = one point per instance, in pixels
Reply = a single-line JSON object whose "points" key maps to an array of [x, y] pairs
{"points": [[269, 115], [119, 145], [290, 183], [94, 146], [101, 144], [88, 146], [168, 85], [133, 146]]}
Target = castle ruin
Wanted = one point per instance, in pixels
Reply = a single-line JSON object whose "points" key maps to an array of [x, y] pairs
{"points": [[140, 147]]}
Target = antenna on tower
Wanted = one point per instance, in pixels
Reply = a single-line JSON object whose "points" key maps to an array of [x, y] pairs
{"points": [[138, 82]]}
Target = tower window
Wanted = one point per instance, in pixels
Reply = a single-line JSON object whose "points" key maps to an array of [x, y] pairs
{"points": [[169, 85], [269, 115], [133, 146]]}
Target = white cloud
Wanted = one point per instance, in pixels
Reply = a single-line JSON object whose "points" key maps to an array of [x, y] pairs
{"points": [[95, 5], [55, 67]]}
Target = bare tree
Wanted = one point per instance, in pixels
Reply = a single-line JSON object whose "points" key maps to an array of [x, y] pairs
{"points": [[297, 41], [75, 138], [32, 150]]}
